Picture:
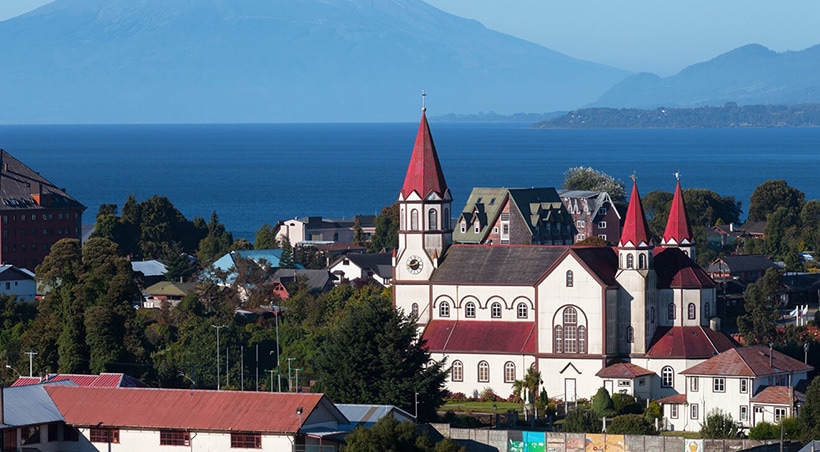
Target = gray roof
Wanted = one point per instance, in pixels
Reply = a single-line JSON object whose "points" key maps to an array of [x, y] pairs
{"points": [[368, 415], [149, 268], [11, 273], [594, 199], [742, 263], [30, 405], [380, 263], [315, 280], [496, 264]]}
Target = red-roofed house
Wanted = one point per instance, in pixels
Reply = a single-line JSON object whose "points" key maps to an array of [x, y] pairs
{"points": [[140, 419], [104, 380], [585, 317]]}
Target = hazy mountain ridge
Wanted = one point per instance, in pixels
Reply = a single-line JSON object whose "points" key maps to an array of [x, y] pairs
{"points": [[748, 75], [298, 60]]}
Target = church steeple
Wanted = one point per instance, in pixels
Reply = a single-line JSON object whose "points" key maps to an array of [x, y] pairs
{"points": [[424, 174], [678, 233], [635, 233]]}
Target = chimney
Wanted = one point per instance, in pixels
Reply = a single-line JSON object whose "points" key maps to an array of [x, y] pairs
{"points": [[37, 192], [732, 227]]}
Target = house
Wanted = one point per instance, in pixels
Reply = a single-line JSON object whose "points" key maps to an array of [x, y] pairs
{"points": [[753, 384], [139, 419], [368, 415], [319, 231], [629, 317], [377, 267], [316, 281], [268, 259], [165, 292], [753, 229], [153, 271], [34, 214], [30, 420], [103, 380], [503, 216], [746, 268], [594, 214], [17, 282]]}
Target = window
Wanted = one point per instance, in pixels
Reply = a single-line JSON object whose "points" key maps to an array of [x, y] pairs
{"points": [[580, 223], [642, 261], [522, 310], [246, 440], [414, 309], [670, 311], [509, 372], [602, 210], [693, 411], [744, 386], [432, 219], [104, 435], [581, 237], [719, 384], [667, 377], [505, 227], [414, 220], [630, 261], [602, 237], [693, 384], [570, 339], [706, 311], [691, 311], [463, 226], [477, 227], [779, 413], [569, 278], [744, 413], [602, 224], [483, 371], [53, 432], [495, 310], [457, 371], [582, 339], [570, 334], [559, 339], [444, 309], [673, 411], [469, 309], [174, 438], [630, 335], [30, 435]]}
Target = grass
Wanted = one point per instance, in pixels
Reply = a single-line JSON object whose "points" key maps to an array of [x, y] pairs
{"points": [[484, 407]]}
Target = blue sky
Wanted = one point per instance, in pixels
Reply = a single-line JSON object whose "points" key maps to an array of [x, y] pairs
{"points": [[638, 35]]}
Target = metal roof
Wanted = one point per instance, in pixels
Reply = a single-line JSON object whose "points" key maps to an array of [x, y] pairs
{"points": [[30, 405], [368, 415], [149, 268]]}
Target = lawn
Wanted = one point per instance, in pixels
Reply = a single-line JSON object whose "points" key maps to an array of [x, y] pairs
{"points": [[482, 407]]}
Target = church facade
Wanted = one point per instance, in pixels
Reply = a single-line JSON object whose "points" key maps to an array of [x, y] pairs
{"points": [[629, 318]]}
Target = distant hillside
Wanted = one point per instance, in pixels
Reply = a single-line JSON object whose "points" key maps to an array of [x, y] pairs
{"points": [[749, 75], [729, 115], [123, 61], [495, 117]]}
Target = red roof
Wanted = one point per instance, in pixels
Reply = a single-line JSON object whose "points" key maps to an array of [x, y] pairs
{"points": [[635, 231], [688, 342], [624, 371], [677, 226], [105, 380], [186, 409], [677, 399], [424, 173], [774, 395], [480, 336], [748, 362]]}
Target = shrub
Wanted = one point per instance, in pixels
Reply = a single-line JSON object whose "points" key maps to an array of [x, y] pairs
{"points": [[602, 403], [764, 430], [487, 395], [719, 425], [630, 424], [582, 421], [457, 397], [626, 404], [652, 412]]}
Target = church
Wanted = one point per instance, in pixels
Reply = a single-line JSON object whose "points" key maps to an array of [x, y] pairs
{"points": [[629, 318]]}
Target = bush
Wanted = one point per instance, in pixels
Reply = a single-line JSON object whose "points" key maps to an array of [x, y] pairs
{"points": [[582, 421], [626, 404], [652, 412], [602, 403], [630, 424], [487, 395], [456, 397], [764, 430], [719, 425]]}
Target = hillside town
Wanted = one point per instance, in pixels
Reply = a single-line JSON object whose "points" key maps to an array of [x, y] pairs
{"points": [[577, 310]]}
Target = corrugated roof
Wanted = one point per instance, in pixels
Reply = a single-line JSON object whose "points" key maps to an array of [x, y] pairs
{"points": [[170, 288], [149, 268], [623, 370], [264, 412], [676, 270], [635, 231], [677, 399], [688, 342], [424, 174], [9, 272], [496, 264], [368, 415], [109, 380], [480, 336], [750, 361], [29, 405]]}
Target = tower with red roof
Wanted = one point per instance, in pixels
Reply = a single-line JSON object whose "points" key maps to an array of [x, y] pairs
{"points": [[678, 233]]}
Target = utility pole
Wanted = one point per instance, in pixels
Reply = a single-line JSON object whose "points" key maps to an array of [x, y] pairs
{"points": [[297, 379], [290, 383], [30, 363], [218, 327]]}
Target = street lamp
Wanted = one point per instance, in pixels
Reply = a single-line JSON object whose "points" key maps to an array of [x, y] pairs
{"points": [[276, 323], [8, 366], [193, 383], [218, 327]]}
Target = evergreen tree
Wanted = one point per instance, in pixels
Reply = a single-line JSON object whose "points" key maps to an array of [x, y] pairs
{"points": [[771, 195], [386, 235], [758, 324], [216, 244], [809, 419], [358, 233], [266, 238], [602, 403], [287, 259]]}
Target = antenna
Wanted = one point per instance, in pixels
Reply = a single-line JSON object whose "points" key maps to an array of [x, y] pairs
{"points": [[423, 95]]}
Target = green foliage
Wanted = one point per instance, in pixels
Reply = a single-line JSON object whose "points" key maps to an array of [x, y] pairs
{"points": [[764, 430], [809, 420], [449, 445], [602, 403], [266, 238], [582, 421], [286, 259], [527, 388], [758, 324], [719, 425], [390, 435], [180, 265], [703, 208], [652, 412], [630, 424], [373, 355], [386, 235], [581, 178], [626, 404], [771, 195], [216, 243], [358, 233]]}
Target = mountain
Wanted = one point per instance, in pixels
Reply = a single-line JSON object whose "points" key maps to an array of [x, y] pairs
{"points": [[748, 75], [109, 61]]}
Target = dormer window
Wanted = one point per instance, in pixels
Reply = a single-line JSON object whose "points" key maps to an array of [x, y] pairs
{"points": [[463, 226], [477, 227]]}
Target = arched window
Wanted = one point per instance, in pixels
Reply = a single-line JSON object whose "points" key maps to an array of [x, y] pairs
{"points": [[667, 377], [463, 226], [457, 371], [414, 309], [444, 309], [432, 219], [691, 311], [483, 372], [630, 335], [469, 309], [414, 220], [522, 310], [630, 261], [569, 278], [495, 310], [582, 339], [570, 335], [707, 311], [570, 316], [670, 311], [641, 261], [445, 222], [559, 339], [509, 372]]}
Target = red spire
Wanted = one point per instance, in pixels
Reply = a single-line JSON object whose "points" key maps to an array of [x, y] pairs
{"points": [[677, 227], [424, 173], [635, 231]]}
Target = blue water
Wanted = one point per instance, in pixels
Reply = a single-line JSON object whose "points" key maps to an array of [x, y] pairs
{"points": [[255, 174]]}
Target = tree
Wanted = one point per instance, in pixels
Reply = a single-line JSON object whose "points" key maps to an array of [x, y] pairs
{"points": [[602, 403], [358, 233], [390, 435], [630, 424], [758, 324], [373, 355], [527, 388], [581, 178], [592, 241], [217, 243], [386, 235], [772, 194], [809, 419], [582, 421], [287, 259], [266, 238], [719, 425]]}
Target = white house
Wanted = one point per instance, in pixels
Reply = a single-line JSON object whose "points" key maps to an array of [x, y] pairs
{"points": [[375, 266], [18, 282], [630, 318]]}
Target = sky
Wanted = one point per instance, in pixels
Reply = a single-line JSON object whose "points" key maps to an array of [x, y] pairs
{"points": [[637, 35]]}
